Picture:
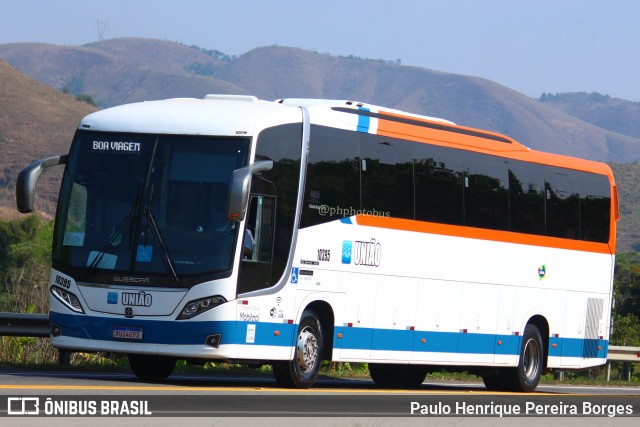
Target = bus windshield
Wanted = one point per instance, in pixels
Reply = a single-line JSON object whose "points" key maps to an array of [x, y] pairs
{"points": [[147, 205]]}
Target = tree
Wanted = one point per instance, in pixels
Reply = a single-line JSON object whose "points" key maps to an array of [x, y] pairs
{"points": [[627, 284], [626, 311]]}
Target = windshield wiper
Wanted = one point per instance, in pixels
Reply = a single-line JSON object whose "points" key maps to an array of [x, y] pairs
{"points": [[117, 235], [114, 240], [166, 256]]}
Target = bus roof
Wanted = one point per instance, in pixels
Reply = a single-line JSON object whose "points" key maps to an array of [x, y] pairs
{"points": [[239, 115], [399, 124], [223, 115]]}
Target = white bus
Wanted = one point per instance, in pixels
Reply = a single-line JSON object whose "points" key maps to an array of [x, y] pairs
{"points": [[292, 232]]}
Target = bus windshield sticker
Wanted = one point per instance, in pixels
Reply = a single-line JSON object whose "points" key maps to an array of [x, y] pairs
{"points": [[73, 238], [144, 253], [106, 261]]}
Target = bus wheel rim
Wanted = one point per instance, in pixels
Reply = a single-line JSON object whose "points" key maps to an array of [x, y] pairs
{"points": [[307, 350], [531, 361]]}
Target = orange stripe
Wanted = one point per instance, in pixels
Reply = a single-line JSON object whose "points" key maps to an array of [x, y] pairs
{"points": [[423, 134], [515, 151], [481, 234]]}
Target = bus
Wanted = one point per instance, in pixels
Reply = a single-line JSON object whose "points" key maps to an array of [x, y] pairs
{"points": [[298, 231]]}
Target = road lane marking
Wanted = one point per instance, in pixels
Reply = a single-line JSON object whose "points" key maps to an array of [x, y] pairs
{"points": [[264, 389]]}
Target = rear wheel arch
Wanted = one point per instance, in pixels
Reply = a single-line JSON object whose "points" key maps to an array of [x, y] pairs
{"points": [[543, 326]]}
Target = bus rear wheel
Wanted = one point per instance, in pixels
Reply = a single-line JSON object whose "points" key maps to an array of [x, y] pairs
{"points": [[302, 371], [524, 377], [401, 376], [151, 368]]}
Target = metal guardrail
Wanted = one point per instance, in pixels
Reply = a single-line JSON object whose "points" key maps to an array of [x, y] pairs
{"points": [[623, 354], [24, 325], [29, 325]]}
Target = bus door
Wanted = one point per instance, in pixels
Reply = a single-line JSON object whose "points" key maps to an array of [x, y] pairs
{"points": [[257, 243]]}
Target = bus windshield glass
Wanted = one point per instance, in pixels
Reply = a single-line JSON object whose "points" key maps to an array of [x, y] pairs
{"points": [[147, 205]]}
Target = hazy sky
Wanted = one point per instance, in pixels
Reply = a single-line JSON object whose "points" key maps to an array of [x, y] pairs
{"points": [[532, 46]]}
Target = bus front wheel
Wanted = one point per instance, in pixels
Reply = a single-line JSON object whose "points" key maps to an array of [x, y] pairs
{"points": [[302, 371], [151, 368]]}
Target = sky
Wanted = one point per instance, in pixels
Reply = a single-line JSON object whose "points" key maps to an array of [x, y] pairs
{"points": [[534, 47]]}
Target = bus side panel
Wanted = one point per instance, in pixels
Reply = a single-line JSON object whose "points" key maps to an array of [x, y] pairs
{"points": [[438, 311], [460, 301], [359, 313], [394, 319]]}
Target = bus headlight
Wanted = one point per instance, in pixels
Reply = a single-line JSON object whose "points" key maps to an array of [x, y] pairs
{"points": [[68, 299], [199, 306]]}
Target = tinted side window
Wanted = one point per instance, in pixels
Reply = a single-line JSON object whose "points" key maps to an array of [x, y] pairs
{"points": [[386, 177], [595, 207], [277, 187], [527, 196], [332, 189], [486, 196], [438, 182], [563, 203]]}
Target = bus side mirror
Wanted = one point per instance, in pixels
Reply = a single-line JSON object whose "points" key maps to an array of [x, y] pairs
{"points": [[238, 197], [26, 185]]}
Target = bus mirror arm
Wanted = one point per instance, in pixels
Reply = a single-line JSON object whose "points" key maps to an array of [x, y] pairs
{"points": [[26, 185], [239, 189]]}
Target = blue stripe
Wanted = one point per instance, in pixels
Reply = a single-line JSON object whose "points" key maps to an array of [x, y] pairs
{"points": [[458, 342], [235, 332], [174, 332], [363, 121], [575, 347]]}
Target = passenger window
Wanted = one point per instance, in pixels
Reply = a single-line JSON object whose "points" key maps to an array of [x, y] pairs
{"points": [[527, 194], [386, 173], [486, 196], [563, 208], [332, 189], [438, 182], [595, 207]]}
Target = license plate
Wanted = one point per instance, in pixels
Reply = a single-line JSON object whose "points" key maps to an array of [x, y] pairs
{"points": [[127, 333]]}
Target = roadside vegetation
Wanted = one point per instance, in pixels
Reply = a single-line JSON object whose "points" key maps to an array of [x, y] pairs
{"points": [[25, 252]]}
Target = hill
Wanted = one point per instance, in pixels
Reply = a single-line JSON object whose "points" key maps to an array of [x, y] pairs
{"points": [[469, 101], [35, 121], [616, 115], [627, 178], [127, 70], [119, 71]]}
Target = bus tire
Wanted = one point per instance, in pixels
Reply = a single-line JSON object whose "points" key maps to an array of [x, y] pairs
{"points": [[526, 375], [495, 381], [151, 368], [302, 371], [397, 376]]}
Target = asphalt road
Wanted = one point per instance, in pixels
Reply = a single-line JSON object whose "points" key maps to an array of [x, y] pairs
{"points": [[107, 398]]}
